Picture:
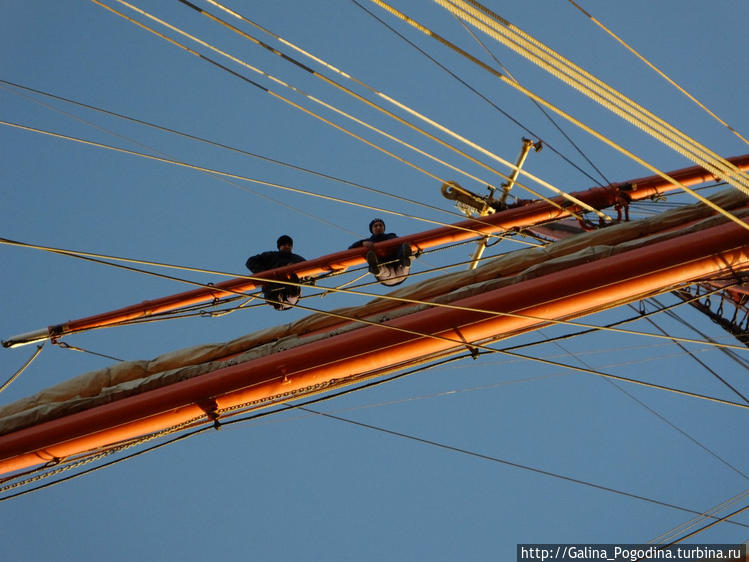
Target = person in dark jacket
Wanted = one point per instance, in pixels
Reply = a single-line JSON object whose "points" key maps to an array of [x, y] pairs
{"points": [[280, 297], [391, 269]]}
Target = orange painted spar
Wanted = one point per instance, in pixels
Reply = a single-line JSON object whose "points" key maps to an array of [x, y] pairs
{"points": [[564, 294], [531, 214]]}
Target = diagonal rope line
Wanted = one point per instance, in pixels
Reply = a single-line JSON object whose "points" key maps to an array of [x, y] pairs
{"points": [[490, 458], [658, 71], [546, 143], [558, 111], [538, 105], [65, 345], [540, 54], [657, 414], [666, 309], [267, 90], [7, 383], [343, 113], [99, 258], [4, 84], [663, 537], [233, 149], [283, 407], [461, 343], [706, 527], [701, 363], [234, 176], [403, 107], [280, 97], [526, 45]]}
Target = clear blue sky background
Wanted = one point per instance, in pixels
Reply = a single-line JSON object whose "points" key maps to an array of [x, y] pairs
{"points": [[297, 485]]}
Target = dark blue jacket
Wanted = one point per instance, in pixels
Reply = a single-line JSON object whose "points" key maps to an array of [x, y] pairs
{"points": [[271, 260], [374, 239]]}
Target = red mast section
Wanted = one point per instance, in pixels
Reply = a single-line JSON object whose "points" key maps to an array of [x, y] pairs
{"points": [[531, 214], [561, 295], [508, 310]]}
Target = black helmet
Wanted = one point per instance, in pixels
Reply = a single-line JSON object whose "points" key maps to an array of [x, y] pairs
{"points": [[285, 239], [371, 223]]}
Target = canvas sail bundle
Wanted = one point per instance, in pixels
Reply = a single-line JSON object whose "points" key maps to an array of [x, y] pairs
{"points": [[133, 377]]}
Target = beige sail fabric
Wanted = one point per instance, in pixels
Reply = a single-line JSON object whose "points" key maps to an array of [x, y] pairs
{"points": [[133, 377]]}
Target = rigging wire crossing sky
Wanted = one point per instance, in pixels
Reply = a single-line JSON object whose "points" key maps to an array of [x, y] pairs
{"points": [[215, 160]]}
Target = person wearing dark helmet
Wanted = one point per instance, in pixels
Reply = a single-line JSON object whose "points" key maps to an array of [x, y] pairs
{"points": [[391, 269], [280, 297]]}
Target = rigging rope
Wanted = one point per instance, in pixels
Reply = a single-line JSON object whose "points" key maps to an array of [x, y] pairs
{"points": [[93, 257], [493, 350], [560, 112], [705, 366], [619, 323], [237, 176], [440, 445], [657, 414], [161, 153], [706, 527], [462, 343], [514, 38], [730, 354], [65, 345], [474, 90], [238, 151], [695, 521], [657, 70], [351, 117], [7, 383], [494, 459], [89, 142], [263, 88], [284, 84], [302, 406], [87, 459], [538, 105], [403, 107]]}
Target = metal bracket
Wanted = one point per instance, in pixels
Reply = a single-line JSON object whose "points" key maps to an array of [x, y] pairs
{"points": [[481, 205], [467, 201], [527, 145]]}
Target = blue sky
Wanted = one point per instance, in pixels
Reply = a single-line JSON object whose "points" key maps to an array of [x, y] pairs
{"points": [[297, 485]]}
